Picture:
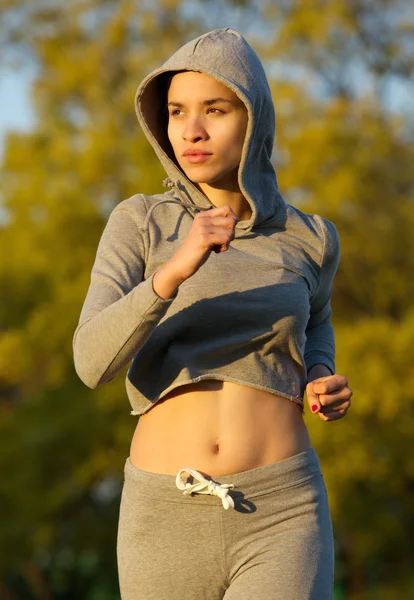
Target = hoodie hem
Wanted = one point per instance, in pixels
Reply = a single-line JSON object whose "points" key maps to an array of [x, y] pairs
{"points": [[220, 377]]}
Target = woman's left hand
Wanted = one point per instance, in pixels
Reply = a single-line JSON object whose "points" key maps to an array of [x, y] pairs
{"points": [[331, 395]]}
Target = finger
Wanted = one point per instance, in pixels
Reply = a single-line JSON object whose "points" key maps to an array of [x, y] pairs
{"points": [[225, 210], [329, 409], [329, 384], [336, 398], [219, 220], [313, 399], [334, 416], [229, 211]]}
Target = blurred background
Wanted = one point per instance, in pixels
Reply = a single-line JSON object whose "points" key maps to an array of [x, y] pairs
{"points": [[341, 75]]}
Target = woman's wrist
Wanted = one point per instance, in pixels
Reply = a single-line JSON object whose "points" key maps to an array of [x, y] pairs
{"points": [[317, 371], [166, 281]]}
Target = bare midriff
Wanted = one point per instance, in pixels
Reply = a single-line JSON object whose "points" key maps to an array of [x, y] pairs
{"points": [[218, 428]]}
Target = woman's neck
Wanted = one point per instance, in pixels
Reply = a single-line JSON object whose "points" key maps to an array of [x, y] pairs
{"points": [[232, 197]]}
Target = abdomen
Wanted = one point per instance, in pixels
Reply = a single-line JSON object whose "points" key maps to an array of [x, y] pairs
{"points": [[218, 428]]}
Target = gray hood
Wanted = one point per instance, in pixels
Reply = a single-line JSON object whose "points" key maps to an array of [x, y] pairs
{"points": [[225, 55]]}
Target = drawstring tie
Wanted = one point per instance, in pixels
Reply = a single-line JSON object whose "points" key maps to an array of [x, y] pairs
{"points": [[190, 206], [205, 486], [168, 182]]}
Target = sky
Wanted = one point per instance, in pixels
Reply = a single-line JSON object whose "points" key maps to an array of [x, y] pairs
{"points": [[15, 108]]}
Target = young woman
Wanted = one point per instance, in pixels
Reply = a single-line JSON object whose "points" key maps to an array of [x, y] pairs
{"points": [[218, 291]]}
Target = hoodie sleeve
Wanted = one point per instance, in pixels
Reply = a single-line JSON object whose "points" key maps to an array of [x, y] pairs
{"points": [[320, 343], [120, 310]]}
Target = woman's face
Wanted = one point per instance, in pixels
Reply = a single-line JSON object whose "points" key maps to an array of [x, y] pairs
{"points": [[205, 115]]}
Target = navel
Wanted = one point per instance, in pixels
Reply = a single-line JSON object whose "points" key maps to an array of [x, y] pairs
{"points": [[216, 448]]}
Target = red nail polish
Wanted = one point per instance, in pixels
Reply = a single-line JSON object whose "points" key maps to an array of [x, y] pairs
{"points": [[314, 408]]}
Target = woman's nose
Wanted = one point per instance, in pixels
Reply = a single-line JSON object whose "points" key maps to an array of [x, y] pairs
{"points": [[194, 130]]}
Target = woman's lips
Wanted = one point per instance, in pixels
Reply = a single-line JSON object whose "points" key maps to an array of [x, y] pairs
{"points": [[196, 158]]}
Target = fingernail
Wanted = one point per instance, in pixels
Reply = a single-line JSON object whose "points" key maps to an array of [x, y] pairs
{"points": [[314, 408]]}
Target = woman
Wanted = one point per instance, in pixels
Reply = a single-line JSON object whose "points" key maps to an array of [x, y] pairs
{"points": [[223, 494]]}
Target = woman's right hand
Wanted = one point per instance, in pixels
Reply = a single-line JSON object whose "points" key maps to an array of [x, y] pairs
{"points": [[212, 229]]}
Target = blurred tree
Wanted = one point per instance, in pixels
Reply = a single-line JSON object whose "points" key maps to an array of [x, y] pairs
{"points": [[367, 461], [339, 152], [347, 160], [62, 445]]}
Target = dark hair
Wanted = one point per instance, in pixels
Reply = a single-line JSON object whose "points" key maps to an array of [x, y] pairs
{"points": [[163, 84]]}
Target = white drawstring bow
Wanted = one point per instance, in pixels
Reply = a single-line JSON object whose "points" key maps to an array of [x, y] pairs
{"points": [[205, 486]]}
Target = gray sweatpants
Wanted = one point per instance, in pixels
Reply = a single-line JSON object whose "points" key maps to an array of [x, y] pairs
{"points": [[274, 541]]}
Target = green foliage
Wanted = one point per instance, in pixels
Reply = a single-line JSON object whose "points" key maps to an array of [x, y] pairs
{"points": [[348, 162], [340, 153], [366, 457]]}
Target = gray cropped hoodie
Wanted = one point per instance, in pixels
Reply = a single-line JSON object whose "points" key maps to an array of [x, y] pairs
{"points": [[259, 313]]}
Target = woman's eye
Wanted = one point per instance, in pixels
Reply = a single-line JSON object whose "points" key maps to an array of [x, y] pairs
{"points": [[177, 110]]}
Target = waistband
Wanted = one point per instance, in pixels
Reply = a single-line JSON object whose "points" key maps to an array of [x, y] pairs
{"points": [[244, 484]]}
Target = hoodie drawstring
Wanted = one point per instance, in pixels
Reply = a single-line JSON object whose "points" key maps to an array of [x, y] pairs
{"points": [[188, 205], [205, 486]]}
